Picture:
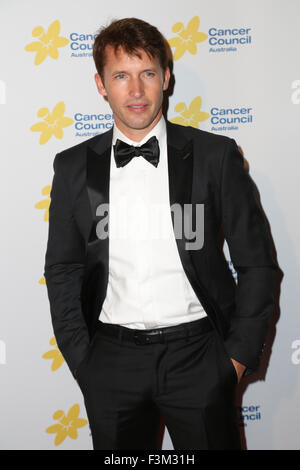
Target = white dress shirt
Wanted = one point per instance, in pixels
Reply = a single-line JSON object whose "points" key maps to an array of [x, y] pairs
{"points": [[147, 286]]}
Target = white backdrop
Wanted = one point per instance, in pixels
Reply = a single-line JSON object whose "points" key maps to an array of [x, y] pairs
{"points": [[244, 65]]}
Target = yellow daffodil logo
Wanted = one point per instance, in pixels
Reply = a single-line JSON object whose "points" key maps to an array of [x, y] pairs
{"points": [[187, 38], [47, 43], [42, 280], [52, 123], [44, 204], [192, 115], [67, 425], [54, 354]]}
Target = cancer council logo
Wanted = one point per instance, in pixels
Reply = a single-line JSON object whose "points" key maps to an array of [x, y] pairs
{"points": [[186, 39], [67, 424], [52, 123], [190, 115], [46, 44]]}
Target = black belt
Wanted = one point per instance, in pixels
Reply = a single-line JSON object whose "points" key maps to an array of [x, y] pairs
{"points": [[155, 335]]}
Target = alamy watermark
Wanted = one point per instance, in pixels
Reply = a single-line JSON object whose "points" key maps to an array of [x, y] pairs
{"points": [[2, 352], [295, 98], [2, 92], [155, 221], [295, 357]]}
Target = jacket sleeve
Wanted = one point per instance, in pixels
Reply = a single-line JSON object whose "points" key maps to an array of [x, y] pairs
{"points": [[64, 271], [250, 247]]}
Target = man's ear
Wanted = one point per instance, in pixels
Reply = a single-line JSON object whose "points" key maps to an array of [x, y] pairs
{"points": [[167, 76], [100, 85]]}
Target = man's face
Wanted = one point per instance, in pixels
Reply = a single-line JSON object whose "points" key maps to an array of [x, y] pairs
{"points": [[134, 89]]}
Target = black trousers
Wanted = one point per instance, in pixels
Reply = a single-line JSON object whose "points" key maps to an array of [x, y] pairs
{"points": [[187, 379]]}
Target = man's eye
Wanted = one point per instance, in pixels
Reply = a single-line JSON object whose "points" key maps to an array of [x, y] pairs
{"points": [[120, 75], [150, 74]]}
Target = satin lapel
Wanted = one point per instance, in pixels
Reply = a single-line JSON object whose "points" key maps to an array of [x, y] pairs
{"points": [[180, 168], [98, 178], [181, 175], [98, 175]]}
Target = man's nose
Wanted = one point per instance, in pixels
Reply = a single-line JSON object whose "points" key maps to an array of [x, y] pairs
{"points": [[136, 87]]}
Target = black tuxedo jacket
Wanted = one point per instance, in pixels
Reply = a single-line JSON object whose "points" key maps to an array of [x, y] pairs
{"points": [[203, 168]]}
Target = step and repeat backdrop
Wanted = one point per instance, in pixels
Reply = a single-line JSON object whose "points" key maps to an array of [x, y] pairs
{"points": [[237, 73]]}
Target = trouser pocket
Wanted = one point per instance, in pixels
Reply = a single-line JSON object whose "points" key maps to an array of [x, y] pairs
{"points": [[227, 359], [80, 369]]}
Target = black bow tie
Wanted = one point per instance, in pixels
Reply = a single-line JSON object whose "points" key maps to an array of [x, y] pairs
{"points": [[124, 152]]}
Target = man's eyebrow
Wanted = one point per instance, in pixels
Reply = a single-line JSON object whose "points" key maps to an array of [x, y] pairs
{"points": [[118, 71], [114, 72]]}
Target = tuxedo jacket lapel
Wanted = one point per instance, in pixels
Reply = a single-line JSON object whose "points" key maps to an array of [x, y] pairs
{"points": [[181, 177], [97, 253], [180, 169], [98, 178]]}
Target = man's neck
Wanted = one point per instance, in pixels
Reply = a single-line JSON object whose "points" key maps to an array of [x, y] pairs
{"points": [[136, 135]]}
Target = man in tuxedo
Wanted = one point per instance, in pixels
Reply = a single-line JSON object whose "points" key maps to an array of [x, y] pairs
{"points": [[151, 323]]}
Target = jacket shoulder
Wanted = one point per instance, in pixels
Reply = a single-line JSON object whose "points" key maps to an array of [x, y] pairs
{"points": [[77, 153], [200, 135], [208, 146]]}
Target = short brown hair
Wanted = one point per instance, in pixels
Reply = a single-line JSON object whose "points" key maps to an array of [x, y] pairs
{"points": [[131, 34]]}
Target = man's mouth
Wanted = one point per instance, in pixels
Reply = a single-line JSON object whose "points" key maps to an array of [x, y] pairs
{"points": [[137, 108]]}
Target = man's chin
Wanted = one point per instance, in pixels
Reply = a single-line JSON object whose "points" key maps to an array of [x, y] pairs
{"points": [[140, 123]]}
